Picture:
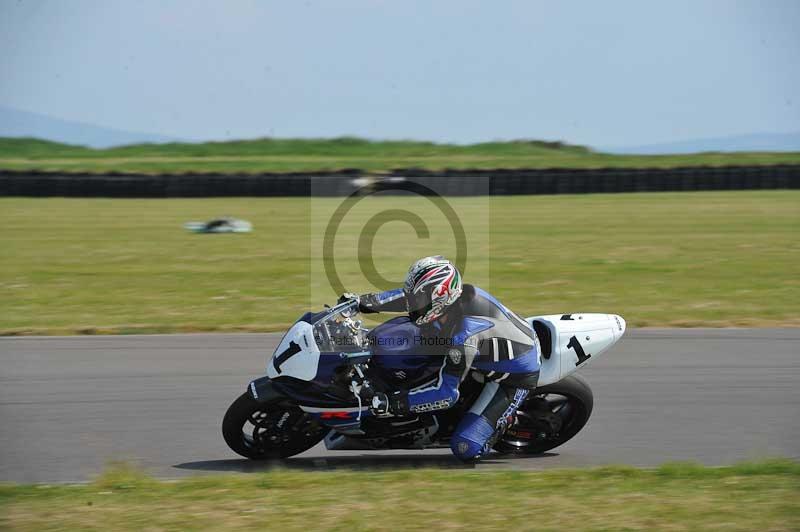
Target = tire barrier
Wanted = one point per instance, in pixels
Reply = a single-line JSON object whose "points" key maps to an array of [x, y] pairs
{"points": [[448, 182]]}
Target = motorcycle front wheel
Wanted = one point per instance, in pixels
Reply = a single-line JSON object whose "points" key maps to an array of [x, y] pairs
{"points": [[549, 417], [269, 430]]}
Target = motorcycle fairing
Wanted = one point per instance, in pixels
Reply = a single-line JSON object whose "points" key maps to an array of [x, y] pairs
{"points": [[417, 433], [344, 420], [297, 355], [300, 353]]}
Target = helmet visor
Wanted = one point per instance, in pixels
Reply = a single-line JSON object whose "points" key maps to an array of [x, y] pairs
{"points": [[418, 303]]}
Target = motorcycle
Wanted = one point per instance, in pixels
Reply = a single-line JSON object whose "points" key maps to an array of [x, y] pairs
{"points": [[320, 376]]}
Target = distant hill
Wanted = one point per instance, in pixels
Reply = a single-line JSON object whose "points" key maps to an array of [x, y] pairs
{"points": [[16, 123], [764, 142], [302, 155]]}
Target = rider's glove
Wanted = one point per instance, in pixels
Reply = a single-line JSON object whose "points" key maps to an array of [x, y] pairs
{"points": [[347, 296], [380, 405], [388, 405]]}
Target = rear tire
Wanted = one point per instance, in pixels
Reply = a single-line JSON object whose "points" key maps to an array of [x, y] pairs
{"points": [[549, 417], [271, 430]]}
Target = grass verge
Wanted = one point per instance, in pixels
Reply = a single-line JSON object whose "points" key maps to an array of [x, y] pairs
{"points": [[755, 496], [94, 266], [295, 155]]}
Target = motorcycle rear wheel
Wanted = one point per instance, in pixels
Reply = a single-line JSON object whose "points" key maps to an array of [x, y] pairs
{"points": [[550, 417], [271, 430]]}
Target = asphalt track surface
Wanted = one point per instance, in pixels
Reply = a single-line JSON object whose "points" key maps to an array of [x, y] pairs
{"points": [[69, 406]]}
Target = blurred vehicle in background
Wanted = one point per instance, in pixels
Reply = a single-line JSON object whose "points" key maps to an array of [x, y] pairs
{"points": [[220, 225]]}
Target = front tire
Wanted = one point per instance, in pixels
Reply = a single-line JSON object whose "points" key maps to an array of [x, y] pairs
{"points": [[269, 430], [549, 417]]}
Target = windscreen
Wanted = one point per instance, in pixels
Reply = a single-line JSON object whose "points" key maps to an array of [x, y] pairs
{"points": [[339, 332]]}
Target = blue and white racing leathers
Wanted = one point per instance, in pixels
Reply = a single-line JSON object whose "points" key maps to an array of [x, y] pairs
{"points": [[482, 336]]}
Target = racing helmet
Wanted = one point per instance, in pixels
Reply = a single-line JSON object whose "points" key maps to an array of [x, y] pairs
{"points": [[432, 284]]}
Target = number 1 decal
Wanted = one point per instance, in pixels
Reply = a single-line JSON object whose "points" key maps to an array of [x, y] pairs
{"points": [[576, 345], [287, 353]]}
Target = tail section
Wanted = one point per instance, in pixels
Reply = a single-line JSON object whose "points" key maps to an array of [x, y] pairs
{"points": [[569, 341]]}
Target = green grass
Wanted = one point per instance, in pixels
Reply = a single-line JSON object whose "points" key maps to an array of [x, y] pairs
{"points": [[678, 497], [287, 155], [668, 259]]}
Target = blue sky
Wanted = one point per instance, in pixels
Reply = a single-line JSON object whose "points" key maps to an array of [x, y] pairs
{"points": [[597, 73]]}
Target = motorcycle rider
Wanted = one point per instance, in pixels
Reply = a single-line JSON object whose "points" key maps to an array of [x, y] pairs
{"points": [[480, 335]]}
